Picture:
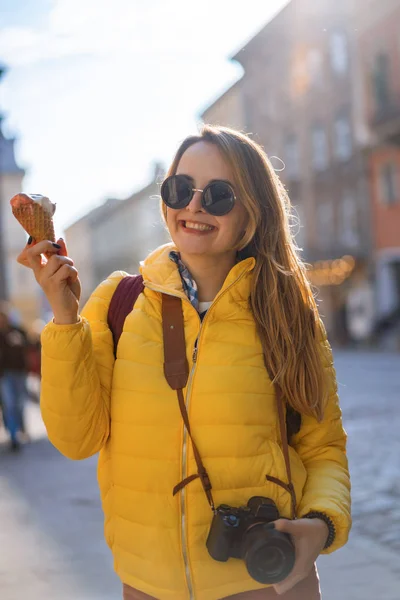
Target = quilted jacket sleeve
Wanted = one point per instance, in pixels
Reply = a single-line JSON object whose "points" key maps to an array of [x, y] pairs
{"points": [[322, 448], [77, 368]]}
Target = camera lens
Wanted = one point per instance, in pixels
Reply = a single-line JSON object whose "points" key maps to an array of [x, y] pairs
{"points": [[268, 554]]}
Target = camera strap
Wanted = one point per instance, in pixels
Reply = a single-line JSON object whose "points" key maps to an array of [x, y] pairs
{"points": [[176, 371]]}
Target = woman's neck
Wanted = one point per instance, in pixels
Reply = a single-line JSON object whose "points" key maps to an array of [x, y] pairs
{"points": [[209, 272]]}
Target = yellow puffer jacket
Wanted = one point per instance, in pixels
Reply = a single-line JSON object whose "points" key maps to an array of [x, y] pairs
{"points": [[126, 410]]}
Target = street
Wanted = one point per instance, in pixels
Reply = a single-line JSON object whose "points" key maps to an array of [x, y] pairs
{"points": [[51, 535]]}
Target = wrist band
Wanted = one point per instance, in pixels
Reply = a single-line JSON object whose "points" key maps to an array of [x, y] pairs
{"points": [[328, 521]]}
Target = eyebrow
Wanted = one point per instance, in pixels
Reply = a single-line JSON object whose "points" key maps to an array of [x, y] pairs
{"points": [[210, 181]]}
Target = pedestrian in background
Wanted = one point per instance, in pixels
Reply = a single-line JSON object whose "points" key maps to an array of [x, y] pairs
{"points": [[34, 360], [253, 335], [13, 374]]}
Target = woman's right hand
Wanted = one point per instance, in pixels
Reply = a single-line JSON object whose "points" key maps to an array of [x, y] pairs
{"points": [[57, 276]]}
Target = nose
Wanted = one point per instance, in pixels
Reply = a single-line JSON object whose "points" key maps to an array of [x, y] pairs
{"points": [[195, 205]]}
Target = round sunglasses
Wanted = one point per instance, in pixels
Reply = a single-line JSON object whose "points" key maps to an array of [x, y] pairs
{"points": [[217, 198]]}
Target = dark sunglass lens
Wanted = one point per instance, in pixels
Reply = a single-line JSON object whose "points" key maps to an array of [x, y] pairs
{"points": [[218, 198], [176, 191]]}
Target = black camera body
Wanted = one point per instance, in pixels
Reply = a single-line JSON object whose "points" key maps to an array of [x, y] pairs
{"points": [[244, 533]]}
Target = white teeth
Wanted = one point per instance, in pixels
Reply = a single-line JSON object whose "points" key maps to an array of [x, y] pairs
{"points": [[199, 226]]}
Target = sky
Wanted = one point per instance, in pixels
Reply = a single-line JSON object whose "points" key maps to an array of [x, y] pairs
{"points": [[96, 91]]}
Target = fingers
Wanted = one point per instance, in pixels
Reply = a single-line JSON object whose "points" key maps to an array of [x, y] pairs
{"points": [[305, 552], [57, 275], [65, 273], [22, 258], [32, 255], [285, 525], [55, 262], [63, 250], [289, 527]]}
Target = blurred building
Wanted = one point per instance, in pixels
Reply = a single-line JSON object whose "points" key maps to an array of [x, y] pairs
{"points": [[378, 30], [228, 109], [17, 285], [301, 94], [117, 235]]}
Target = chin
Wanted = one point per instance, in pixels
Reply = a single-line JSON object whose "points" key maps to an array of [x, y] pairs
{"points": [[193, 248], [192, 245]]}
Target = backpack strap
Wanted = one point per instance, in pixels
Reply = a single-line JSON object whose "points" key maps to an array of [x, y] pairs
{"points": [[127, 292]]}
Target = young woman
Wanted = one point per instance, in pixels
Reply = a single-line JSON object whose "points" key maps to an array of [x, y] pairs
{"points": [[251, 330]]}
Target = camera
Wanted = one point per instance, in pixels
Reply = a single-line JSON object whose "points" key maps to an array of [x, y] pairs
{"points": [[244, 533]]}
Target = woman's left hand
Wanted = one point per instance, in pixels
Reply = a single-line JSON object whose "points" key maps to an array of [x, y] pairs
{"points": [[309, 538]]}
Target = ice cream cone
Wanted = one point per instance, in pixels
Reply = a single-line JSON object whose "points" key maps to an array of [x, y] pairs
{"points": [[35, 218]]}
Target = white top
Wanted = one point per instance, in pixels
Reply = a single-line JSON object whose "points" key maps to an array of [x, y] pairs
{"points": [[203, 306]]}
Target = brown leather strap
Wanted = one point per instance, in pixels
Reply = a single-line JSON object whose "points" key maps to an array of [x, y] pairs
{"points": [[176, 371], [176, 368], [285, 447]]}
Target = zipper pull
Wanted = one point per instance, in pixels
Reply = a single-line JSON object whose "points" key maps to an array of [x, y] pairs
{"points": [[194, 356]]}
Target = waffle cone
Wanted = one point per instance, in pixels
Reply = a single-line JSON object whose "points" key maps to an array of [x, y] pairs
{"points": [[36, 221]]}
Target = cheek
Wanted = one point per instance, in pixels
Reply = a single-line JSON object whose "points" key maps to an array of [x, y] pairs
{"points": [[170, 218], [237, 223]]}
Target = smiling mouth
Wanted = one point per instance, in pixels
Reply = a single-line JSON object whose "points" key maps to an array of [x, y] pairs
{"points": [[197, 226]]}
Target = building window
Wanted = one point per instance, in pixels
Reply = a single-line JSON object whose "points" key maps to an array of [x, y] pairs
{"points": [[389, 190], [325, 224], [319, 148], [343, 138], [339, 52], [292, 158], [381, 82], [349, 221]]}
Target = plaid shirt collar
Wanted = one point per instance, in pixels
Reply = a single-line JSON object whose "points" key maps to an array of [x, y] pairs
{"points": [[188, 283]]}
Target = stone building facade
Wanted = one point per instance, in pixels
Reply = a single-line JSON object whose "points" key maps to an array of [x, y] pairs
{"points": [[300, 97]]}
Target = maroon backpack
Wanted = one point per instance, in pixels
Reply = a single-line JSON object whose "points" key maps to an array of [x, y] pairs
{"points": [[127, 292]]}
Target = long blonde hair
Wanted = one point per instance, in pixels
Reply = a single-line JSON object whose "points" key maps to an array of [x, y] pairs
{"points": [[281, 298]]}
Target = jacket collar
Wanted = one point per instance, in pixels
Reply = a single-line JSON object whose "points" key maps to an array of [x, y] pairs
{"points": [[161, 273]]}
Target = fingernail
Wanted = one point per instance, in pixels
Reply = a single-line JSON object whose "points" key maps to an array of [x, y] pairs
{"points": [[30, 240], [56, 245]]}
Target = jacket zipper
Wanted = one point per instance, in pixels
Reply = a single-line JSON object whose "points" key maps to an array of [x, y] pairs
{"points": [[185, 442], [185, 434], [183, 475], [188, 574]]}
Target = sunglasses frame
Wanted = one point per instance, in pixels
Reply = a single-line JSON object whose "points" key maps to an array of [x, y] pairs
{"points": [[193, 190]]}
